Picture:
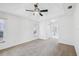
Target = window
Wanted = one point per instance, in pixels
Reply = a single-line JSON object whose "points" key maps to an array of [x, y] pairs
{"points": [[2, 25]]}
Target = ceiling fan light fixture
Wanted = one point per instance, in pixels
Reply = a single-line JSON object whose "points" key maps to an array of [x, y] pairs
{"points": [[35, 13]]}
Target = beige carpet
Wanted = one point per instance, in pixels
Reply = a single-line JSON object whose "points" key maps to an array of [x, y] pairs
{"points": [[40, 48], [64, 50]]}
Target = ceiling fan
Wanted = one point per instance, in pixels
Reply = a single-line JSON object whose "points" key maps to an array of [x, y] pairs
{"points": [[37, 10]]}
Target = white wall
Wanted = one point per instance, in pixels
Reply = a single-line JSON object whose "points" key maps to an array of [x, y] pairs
{"points": [[44, 30], [18, 30], [27, 30], [76, 28], [65, 28]]}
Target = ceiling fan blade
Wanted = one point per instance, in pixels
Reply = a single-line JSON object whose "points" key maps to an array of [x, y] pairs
{"points": [[41, 14], [44, 10], [30, 10]]}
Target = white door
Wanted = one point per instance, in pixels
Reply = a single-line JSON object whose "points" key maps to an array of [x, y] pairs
{"points": [[54, 30]]}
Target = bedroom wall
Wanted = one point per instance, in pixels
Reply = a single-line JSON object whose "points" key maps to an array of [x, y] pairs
{"points": [[76, 28], [64, 30], [44, 30], [18, 30]]}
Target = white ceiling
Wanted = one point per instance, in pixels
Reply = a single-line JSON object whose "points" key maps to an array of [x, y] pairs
{"points": [[54, 9]]}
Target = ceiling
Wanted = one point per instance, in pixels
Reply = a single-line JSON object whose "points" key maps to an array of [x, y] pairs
{"points": [[54, 9]]}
